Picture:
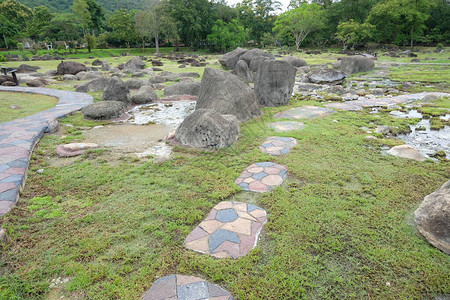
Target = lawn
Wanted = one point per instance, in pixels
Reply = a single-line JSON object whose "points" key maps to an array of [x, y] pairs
{"points": [[340, 227], [14, 105]]}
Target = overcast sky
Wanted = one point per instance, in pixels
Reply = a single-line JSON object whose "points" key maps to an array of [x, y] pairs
{"points": [[284, 4]]}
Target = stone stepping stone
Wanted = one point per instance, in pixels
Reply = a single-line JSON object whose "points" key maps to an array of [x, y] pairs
{"points": [[74, 149], [230, 230], [305, 112], [283, 126], [181, 287], [262, 177], [276, 145]]}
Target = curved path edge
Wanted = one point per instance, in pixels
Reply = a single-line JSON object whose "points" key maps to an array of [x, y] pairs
{"points": [[18, 138]]}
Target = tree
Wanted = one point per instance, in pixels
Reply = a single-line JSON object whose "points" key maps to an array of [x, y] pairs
{"points": [[300, 22], [41, 17], [16, 12], [438, 24], [258, 16], [354, 33], [122, 27], [7, 30], [63, 27], [194, 20], [398, 21], [154, 22], [226, 35]]}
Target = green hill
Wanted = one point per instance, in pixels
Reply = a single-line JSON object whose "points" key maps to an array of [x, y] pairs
{"points": [[65, 5]]}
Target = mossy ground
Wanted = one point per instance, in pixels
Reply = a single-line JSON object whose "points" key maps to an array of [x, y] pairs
{"points": [[27, 104], [340, 227]]}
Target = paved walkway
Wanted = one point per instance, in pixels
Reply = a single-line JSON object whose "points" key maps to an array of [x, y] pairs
{"points": [[18, 137]]}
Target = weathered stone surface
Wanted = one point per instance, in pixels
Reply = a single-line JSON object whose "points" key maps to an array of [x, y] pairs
{"points": [[229, 60], [117, 91], [70, 67], [242, 71], [406, 151], [433, 218], [305, 112], [97, 62], [295, 61], [104, 110], [250, 54], [95, 85], [183, 88], [284, 126], [256, 62], [134, 84], [74, 149], [69, 77], [180, 287], [231, 230], [189, 74], [134, 64], [24, 68], [146, 94], [355, 64], [157, 79], [105, 66], [324, 76], [206, 128], [38, 82], [228, 95], [274, 83]]}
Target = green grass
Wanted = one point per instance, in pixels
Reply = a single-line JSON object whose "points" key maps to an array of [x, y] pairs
{"points": [[413, 73], [340, 227], [28, 104]]}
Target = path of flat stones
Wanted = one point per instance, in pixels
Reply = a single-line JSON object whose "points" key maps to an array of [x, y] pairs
{"points": [[18, 137], [384, 101]]}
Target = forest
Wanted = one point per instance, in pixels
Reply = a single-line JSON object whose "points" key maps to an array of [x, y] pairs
{"points": [[220, 27]]}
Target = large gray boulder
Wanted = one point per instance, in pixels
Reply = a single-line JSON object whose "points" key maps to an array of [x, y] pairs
{"points": [[70, 67], [206, 128], [229, 60], [256, 62], [104, 110], [295, 61], [433, 218], [242, 71], [134, 64], [146, 94], [274, 82], [355, 64], [249, 55], [134, 84], [183, 88], [27, 69], [326, 76], [228, 95], [95, 85], [116, 90], [105, 66], [157, 79]]}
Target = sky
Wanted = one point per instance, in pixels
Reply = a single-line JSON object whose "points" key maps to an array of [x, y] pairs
{"points": [[284, 4]]}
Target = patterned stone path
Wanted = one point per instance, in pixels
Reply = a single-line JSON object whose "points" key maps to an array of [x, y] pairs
{"points": [[276, 145], [262, 177], [180, 287], [305, 112], [385, 101], [230, 230], [18, 137], [283, 126]]}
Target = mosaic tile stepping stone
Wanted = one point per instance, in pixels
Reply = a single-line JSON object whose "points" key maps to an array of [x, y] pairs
{"points": [[283, 126], [305, 112], [262, 177], [180, 287], [74, 149], [231, 230], [276, 145]]}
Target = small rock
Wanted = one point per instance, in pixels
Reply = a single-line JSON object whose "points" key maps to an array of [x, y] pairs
{"points": [[406, 151]]}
